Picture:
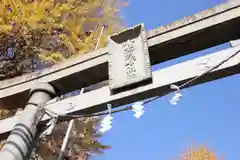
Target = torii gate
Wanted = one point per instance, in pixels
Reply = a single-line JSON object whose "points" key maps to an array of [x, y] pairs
{"points": [[203, 30]]}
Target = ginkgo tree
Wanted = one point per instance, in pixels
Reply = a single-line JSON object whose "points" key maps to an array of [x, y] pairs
{"points": [[39, 33], [83, 142], [199, 153], [52, 30]]}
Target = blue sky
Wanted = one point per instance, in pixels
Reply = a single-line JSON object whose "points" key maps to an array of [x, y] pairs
{"points": [[208, 113]]}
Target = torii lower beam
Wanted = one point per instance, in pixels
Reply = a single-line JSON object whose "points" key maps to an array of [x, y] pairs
{"points": [[96, 100]]}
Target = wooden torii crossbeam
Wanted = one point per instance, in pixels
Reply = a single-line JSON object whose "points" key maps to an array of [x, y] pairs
{"points": [[202, 30]]}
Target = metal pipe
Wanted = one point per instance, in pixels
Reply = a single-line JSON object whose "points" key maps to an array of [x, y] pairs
{"points": [[66, 138], [65, 141]]}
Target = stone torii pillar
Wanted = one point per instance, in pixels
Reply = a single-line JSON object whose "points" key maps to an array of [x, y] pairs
{"points": [[20, 142]]}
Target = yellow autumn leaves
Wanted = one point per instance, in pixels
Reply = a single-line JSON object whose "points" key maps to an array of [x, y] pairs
{"points": [[4, 113], [58, 29], [199, 153]]}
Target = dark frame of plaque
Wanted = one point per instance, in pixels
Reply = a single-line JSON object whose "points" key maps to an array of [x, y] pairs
{"points": [[129, 63]]}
